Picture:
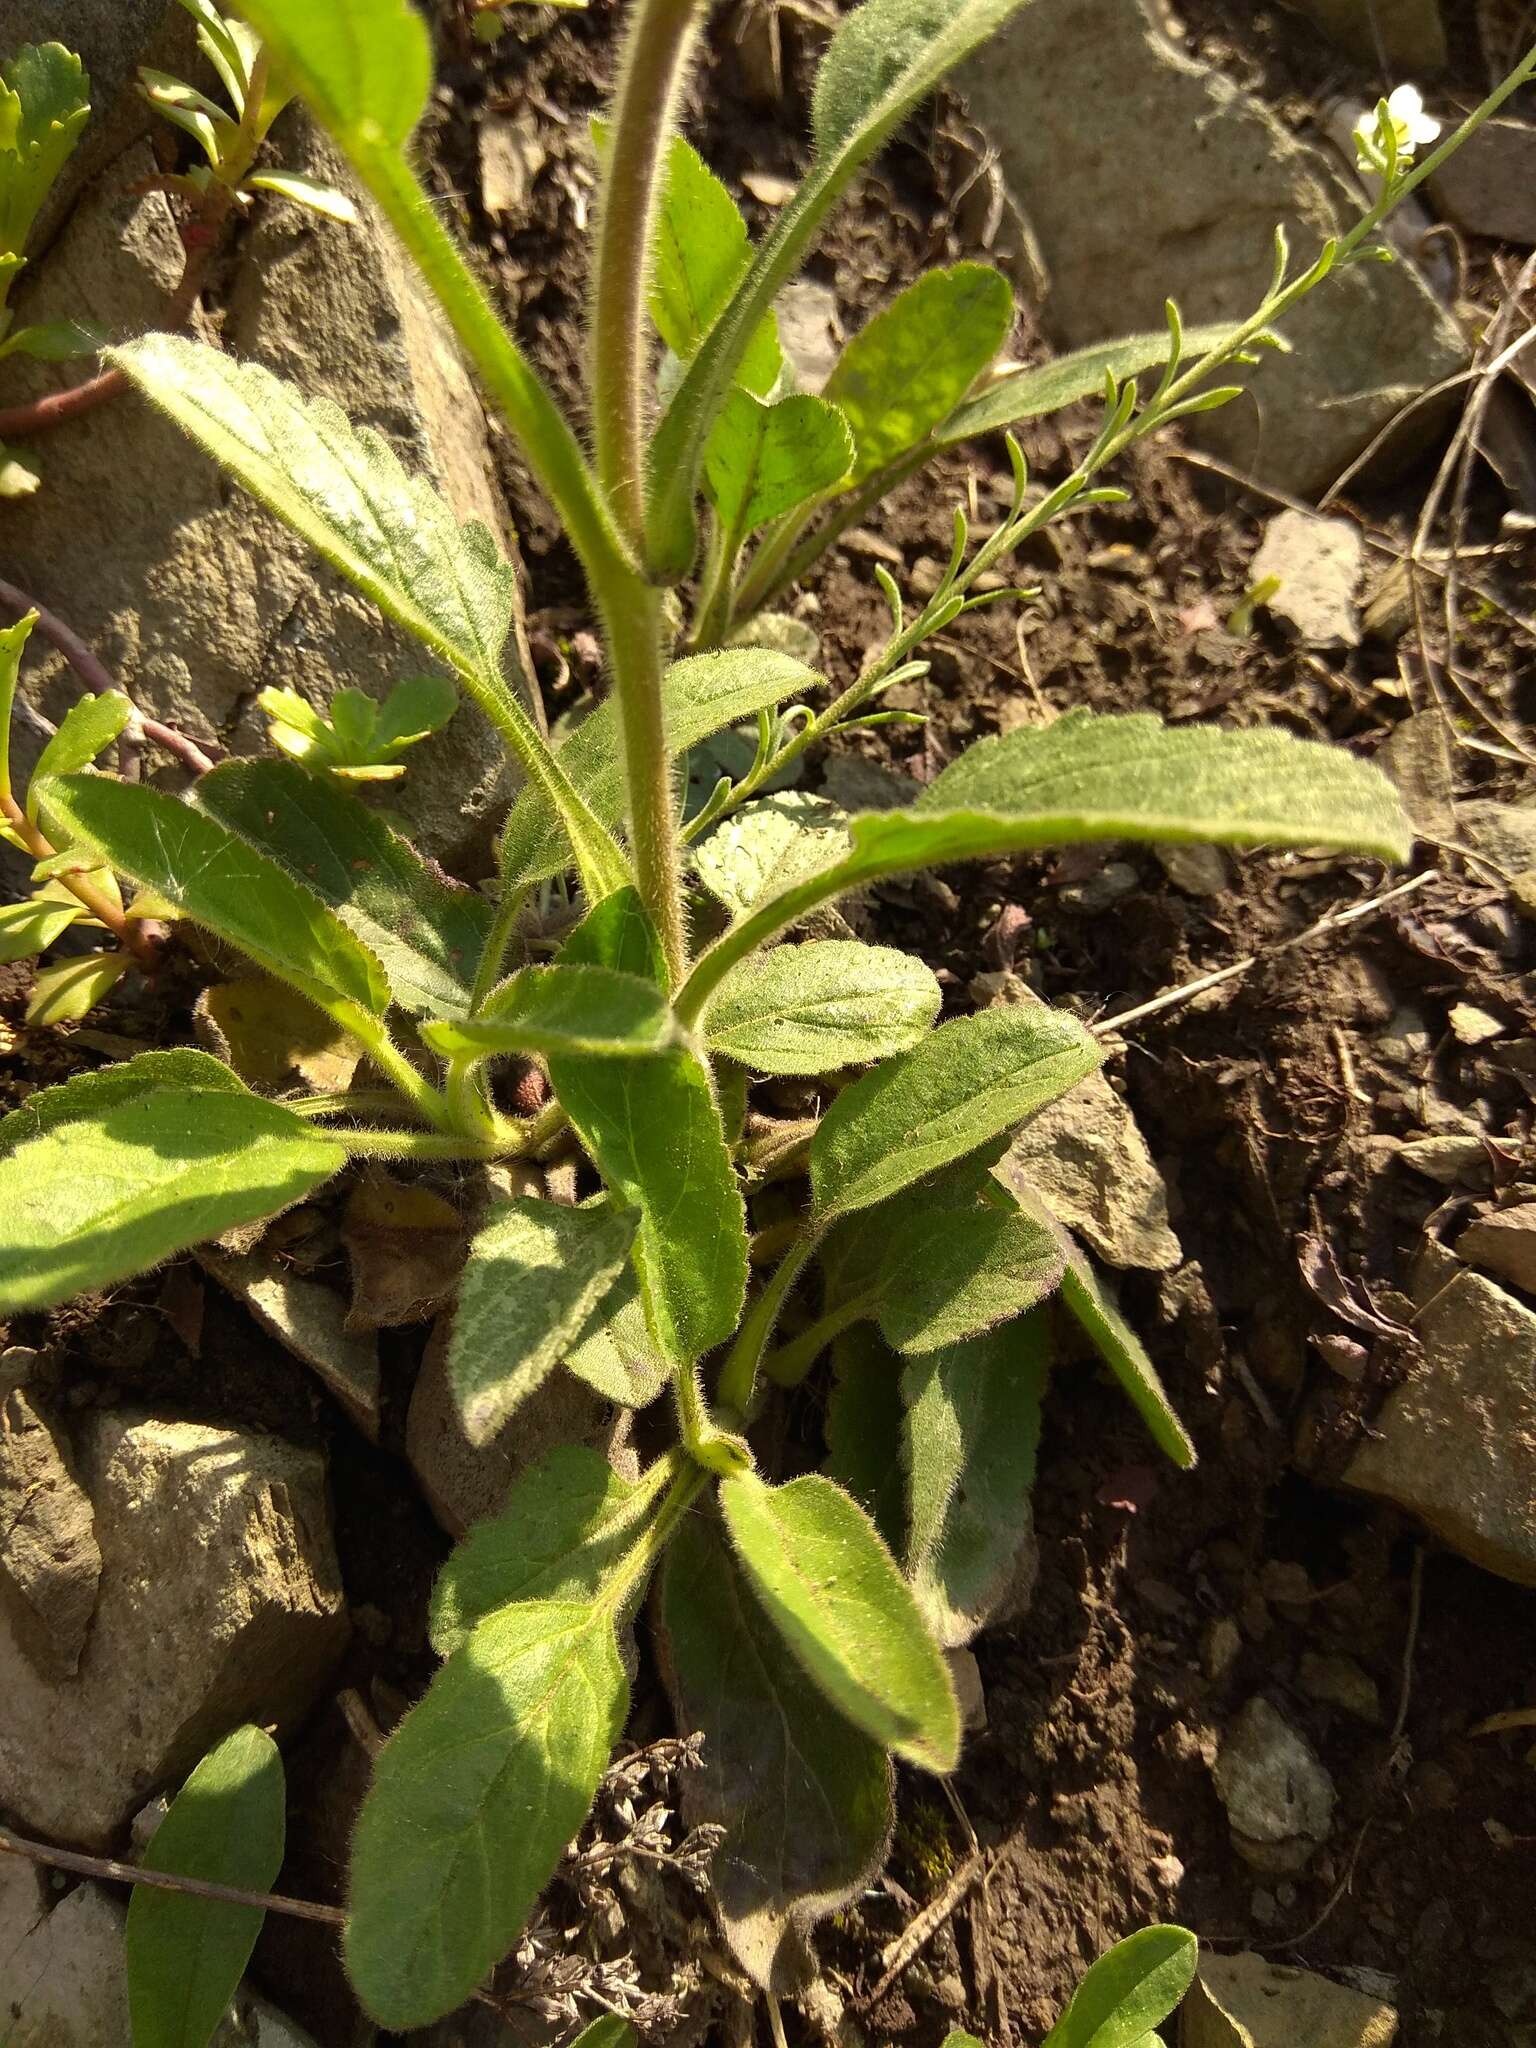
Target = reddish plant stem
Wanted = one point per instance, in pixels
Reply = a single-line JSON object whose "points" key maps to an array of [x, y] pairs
{"points": [[132, 934]]}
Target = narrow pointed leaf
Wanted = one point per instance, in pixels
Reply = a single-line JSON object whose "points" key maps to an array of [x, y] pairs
{"points": [[33, 925], [12, 641], [427, 932], [536, 1273], [474, 1798], [832, 1590], [702, 253], [829, 1003], [564, 1010], [565, 1525], [1125, 1355], [903, 374], [1046, 387], [98, 1199], [365, 66], [700, 696], [1129, 1991], [185, 1955], [764, 461], [804, 1797], [210, 875], [89, 725], [966, 1082], [311, 193], [972, 1431], [70, 989]]}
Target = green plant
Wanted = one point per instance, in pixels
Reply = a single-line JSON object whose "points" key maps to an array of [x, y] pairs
{"points": [[1125, 1996], [884, 1227]]}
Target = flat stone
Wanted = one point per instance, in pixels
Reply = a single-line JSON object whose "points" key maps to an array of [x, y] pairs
{"points": [[1447, 1160], [1502, 833], [1419, 760], [1279, 1798], [1078, 96], [1339, 1681], [1245, 2001], [1197, 870], [1489, 186], [512, 154], [1504, 1244], [811, 333], [1456, 1443], [1086, 1155], [50, 1566], [1408, 35], [192, 595], [220, 1602], [311, 1322], [1316, 564]]}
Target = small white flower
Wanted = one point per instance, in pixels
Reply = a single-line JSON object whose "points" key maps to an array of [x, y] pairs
{"points": [[1387, 137]]}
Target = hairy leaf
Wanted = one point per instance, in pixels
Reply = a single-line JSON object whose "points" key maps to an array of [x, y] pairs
{"points": [[427, 932], [903, 374], [12, 641], [139, 1176], [536, 1273], [565, 1524], [185, 1955], [863, 1429], [1125, 1355], [473, 1799], [967, 1081], [653, 1127], [615, 1354], [700, 696], [829, 1003], [1029, 394], [768, 844], [210, 875], [90, 1094], [958, 1257], [765, 460], [702, 252], [89, 725], [1129, 1991], [564, 1010], [972, 1431], [618, 933], [803, 1796], [833, 1592], [69, 989], [365, 66]]}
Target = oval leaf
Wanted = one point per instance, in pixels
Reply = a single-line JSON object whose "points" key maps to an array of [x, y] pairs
{"points": [[474, 1797], [1030, 394], [216, 879], [1129, 1991], [564, 1009], [365, 66], [832, 1590], [966, 1082], [958, 1258], [702, 252], [767, 844], [829, 1003], [185, 1955], [89, 725], [763, 461]]}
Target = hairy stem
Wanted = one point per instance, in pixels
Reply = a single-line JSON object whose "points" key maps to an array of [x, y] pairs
{"points": [[738, 1376], [657, 46], [366, 1144], [633, 621], [131, 933]]}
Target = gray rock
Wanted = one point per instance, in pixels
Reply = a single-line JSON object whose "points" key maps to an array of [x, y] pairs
{"points": [[1489, 185], [1504, 1243], [1447, 1160], [1087, 1157], [193, 596], [1456, 1443], [1080, 96], [1316, 564], [1246, 2001], [1339, 1681], [1407, 35], [810, 331], [50, 1566], [1279, 1798], [1502, 833], [220, 1602], [311, 1321], [1419, 760], [1197, 870]]}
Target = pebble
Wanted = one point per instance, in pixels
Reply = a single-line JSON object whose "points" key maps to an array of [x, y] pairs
{"points": [[1317, 565], [1503, 1243], [1220, 1648], [1339, 1681], [1116, 880], [1278, 1796]]}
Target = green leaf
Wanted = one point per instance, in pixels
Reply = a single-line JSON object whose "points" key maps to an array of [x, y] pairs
{"points": [[904, 373], [44, 105], [972, 1431], [765, 460], [311, 193], [414, 708], [12, 640], [1030, 394], [89, 725], [344, 491], [617, 933], [565, 1525], [832, 1590], [138, 1177], [700, 696], [829, 1003], [615, 1354], [426, 931], [185, 1955], [210, 875], [702, 253], [71, 989], [769, 844], [1129, 1991], [52, 341], [32, 926], [804, 1797], [474, 1798], [536, 1273], [1125, 1355], [365, 66], [863, 1429], [90, 1094], [564, 1010], [653, 1127], [967, 1081], [610, 2031]]}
